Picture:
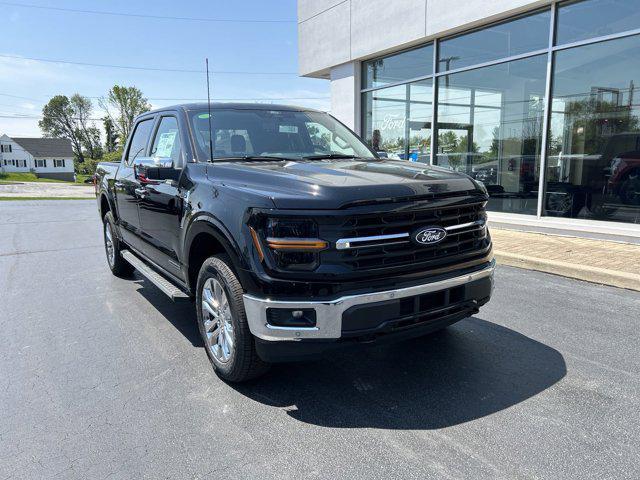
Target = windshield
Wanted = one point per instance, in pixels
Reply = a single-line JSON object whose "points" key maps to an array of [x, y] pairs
{"points": [[286, 134]]}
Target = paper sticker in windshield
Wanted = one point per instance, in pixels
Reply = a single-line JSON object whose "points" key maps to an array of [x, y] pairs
{"points": [[165, 145], [288, 129]]}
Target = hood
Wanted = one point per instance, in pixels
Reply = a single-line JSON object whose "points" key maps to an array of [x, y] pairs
{"points": [[332, 184]]}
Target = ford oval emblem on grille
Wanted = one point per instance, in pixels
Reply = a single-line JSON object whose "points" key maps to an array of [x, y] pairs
{"points": [[429, 235]]}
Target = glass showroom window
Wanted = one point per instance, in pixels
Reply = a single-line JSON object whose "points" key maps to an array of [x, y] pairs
{"points": [[397, 120], [577, 21], [593, 162], [490, 127], [400, 67], [515, 37]]}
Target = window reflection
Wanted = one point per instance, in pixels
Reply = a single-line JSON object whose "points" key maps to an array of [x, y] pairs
{"points": [[593, 164], [521, 35], [398, 121], [490, 127], [397, 68], [595, 18], [490, 120]]}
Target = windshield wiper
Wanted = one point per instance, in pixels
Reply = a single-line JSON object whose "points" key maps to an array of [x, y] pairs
{"points": [[251, 157], [324, 156]]}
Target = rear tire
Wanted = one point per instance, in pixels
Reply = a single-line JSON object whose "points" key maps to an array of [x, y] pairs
{"points": [[223, 325], [113, 248]]}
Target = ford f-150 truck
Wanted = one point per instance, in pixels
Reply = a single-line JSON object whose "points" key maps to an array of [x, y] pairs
{"points": [[292, 236]]}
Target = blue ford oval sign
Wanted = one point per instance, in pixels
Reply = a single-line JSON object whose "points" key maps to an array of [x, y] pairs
{"points": [[429, 235]]}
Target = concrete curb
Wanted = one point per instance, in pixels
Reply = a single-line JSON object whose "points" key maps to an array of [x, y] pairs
{"points": [[603, 276]]}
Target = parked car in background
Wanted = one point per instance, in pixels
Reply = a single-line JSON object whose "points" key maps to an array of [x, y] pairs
{"points": [[460, 162], [624, 181], [486, 175]]}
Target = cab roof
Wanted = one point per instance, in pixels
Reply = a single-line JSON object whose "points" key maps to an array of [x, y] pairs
{"points": [[234, 106]]}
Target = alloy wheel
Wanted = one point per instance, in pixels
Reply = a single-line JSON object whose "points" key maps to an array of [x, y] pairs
{"points": [[216, 316], [108, 242]]}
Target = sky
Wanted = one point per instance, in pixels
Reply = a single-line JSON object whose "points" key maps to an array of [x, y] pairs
{"points": [[133, 38]]}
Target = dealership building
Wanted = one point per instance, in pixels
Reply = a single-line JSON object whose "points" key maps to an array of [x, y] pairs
{"points": [[540, 101]]}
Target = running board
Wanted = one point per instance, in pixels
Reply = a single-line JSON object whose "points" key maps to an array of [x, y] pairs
{"points": [[168, 288]]}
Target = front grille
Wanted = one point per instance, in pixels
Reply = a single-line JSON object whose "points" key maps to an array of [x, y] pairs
{"points": [[408, 312], [460, 244]]}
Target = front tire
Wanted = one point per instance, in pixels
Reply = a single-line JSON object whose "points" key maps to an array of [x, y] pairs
{"points": [[223, 325], [118, 265], [630, 190]]}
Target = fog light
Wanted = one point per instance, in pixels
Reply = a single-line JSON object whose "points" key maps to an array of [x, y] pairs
{"points": [[286, 317]]}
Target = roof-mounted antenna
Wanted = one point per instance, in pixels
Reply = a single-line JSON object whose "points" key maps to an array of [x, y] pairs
{"points": [[209, 109]]}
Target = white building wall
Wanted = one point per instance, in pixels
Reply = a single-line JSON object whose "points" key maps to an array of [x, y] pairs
{"points": [[17, 153], [333, 32], [345, 94], [375, 24], [68, 165], [324, 37]]}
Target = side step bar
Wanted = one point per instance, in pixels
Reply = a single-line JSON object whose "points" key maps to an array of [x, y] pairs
{"points": [[168, 288]]}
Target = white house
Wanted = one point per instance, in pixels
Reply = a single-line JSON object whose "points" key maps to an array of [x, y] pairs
{"points": [[46, 157]]}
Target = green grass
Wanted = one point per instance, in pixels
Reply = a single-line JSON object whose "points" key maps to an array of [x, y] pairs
{"points": [[81, 177], [25, 177], [2, 199], [12, 177]]}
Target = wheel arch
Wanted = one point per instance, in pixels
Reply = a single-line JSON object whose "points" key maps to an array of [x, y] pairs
{"points": [[106, 206], [207, 237]]}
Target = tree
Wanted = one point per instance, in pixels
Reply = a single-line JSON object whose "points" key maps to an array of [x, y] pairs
{"points": [[447, 141], [589, 124], [495, 142], [69, 118], [111, 137], [114, 156], [464, 147], [127, 103], [91, 142], [318, 138], [89, 134]]}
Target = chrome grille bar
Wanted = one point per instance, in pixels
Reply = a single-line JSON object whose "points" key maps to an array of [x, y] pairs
{"points": [[383, 240], [464, 225], [346, 243]]}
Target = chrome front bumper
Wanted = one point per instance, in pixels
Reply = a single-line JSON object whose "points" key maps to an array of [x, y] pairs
{"points": [[329, 312]]}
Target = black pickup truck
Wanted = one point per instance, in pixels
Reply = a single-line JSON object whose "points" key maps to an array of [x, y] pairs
{"points": [[292, 235]]}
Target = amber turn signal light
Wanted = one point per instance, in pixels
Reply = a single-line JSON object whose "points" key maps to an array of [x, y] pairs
{"points": [[256, 243], [297, 244]]}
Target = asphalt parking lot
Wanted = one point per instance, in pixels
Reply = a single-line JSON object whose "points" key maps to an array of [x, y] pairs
{"points": [[106, 378]]}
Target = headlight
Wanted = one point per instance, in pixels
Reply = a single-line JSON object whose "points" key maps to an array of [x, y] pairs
{"points": [[293, 243], [291, 228]]}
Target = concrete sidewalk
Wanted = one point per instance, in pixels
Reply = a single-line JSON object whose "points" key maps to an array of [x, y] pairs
{"points": [[46, 190], [597, 261]]}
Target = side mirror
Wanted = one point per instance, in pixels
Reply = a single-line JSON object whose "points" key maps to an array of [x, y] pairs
{"points": [[154, 170]]}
